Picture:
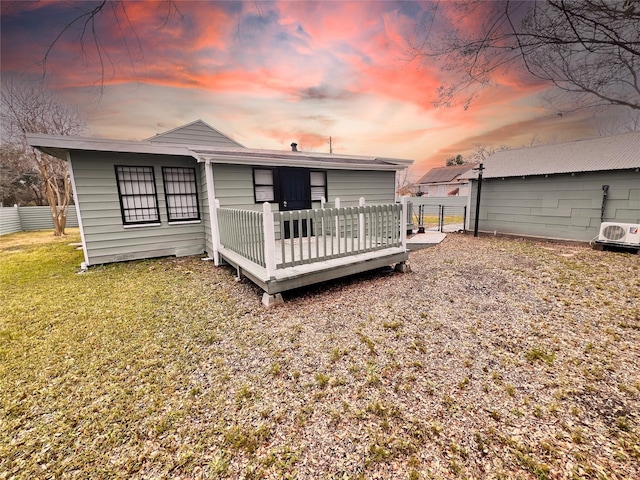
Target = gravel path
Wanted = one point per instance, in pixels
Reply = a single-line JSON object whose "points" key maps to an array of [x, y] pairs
{"points": [[494, 358]]}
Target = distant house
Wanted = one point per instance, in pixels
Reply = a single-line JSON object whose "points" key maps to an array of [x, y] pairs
{"points": [[284, 219], [444, 181], [561, 191]]}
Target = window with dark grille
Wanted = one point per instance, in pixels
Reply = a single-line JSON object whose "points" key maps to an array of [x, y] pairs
{"points": [[181, 193], [318, 186], [263, 190], [137, 192]]}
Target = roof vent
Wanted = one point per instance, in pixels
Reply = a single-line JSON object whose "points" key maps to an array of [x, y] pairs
{"points": [[294, 147]]}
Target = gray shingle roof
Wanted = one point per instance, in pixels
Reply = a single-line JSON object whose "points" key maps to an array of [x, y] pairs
{"points": [[617, 152]]}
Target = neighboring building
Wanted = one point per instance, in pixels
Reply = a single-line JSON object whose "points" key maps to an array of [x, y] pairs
{"points": [[183, 191], [561, 191], [444, 181]]}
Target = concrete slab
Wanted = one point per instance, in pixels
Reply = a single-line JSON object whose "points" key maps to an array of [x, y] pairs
{"points": [[427, 238], [423, 240]]}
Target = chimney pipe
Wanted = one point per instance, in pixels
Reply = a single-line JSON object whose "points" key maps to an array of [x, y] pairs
{"points": [[294, 147]]}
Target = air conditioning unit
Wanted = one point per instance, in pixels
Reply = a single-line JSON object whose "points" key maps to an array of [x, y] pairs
{"points": [[619, 233]]}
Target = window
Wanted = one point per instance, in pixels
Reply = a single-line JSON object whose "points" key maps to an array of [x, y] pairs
{"points": [[318, 186], [263, 190], [181, 193], [137, 191]]}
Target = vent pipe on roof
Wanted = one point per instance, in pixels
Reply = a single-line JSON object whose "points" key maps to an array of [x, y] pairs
{"points": [[294, 147]]}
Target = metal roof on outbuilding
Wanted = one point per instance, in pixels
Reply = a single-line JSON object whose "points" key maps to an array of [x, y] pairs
{"points": [[617, 152]]}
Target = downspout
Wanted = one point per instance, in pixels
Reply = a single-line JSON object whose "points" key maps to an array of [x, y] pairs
{"points": [[213, 213], [467, 220], [605, 192], [84, 264], [477, 219]]}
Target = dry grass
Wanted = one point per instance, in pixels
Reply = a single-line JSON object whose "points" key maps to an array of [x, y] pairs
{"points": [[493, 359]]}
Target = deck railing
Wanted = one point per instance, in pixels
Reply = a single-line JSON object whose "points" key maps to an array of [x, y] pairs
{"points": [[310, 236], [242, 231], [323, 234]]}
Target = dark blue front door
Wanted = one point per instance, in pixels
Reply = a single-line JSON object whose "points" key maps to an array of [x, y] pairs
{"points": [[295, 194]]}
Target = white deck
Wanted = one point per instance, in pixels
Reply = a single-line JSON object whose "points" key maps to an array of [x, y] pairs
{"points": [[279, 265], [310, 273]]}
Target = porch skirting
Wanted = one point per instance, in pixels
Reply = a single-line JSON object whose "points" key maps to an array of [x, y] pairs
{"points": [[311, 273]]}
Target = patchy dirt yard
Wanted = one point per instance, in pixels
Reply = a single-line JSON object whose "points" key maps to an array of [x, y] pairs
{"points": [[494, 358]]}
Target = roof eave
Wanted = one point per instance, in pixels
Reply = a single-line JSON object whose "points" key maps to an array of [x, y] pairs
{"points": [[60, 145], [489, 176], [298, 159]]}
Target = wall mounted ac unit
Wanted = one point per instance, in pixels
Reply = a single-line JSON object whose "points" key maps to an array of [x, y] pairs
{"points": [[619, 233]]}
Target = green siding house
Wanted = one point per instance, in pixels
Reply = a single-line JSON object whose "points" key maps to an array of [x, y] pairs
{"points": [[562, 191], [283, 218]]}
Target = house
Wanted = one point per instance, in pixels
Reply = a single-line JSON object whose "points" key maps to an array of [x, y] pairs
{"points": [[561, 191], [284, 219], [444, 181]]}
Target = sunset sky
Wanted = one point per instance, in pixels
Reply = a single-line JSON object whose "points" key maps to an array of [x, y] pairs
{"points": [[270, 73]]}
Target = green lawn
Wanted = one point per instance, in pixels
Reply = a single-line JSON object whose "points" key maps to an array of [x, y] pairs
{"points": [[431, 220], [95, 367]]}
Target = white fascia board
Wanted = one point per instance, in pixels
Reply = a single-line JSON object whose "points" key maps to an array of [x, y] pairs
{"points": [[278, 159]]}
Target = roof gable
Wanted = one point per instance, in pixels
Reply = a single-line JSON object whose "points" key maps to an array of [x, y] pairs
{"points": [[616, 152], [444, 174], [195, 133]]}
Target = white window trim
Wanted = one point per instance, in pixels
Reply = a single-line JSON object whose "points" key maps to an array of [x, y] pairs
{"points": [[183, 222], [142, 225]]}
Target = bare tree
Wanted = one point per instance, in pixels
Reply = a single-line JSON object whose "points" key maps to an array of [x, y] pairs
{"points": [[19, 184], [589, 50], [628, 122], [405, 181], [32, 108], [482, 152]]}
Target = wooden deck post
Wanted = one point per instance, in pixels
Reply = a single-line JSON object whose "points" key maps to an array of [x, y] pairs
{"points": [[403, 222], [269, 240], [337, 232], [323, 202], [214, 204], [361, 232]]}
